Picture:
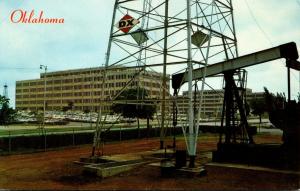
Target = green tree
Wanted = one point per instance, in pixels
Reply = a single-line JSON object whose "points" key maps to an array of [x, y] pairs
{"points": [[6, 113], [133, 104], [69, 107], [276, 107], [284, 114], [258, 107]]}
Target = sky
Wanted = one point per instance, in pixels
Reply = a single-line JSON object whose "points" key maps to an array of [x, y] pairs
{"points": [[82, 40]]}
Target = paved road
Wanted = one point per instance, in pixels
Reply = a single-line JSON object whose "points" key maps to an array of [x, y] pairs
{"points": [[270, 131], [87, 127]]}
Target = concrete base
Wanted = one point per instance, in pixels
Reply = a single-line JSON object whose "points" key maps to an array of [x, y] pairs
{"points": [[106, 166], [191, 172], [240, 171], [277, 156], [112, 168], [251, 168], [168, 169], [93, 160]]}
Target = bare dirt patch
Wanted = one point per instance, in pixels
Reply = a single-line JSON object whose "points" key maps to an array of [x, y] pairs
{"points": [[55, 170]]}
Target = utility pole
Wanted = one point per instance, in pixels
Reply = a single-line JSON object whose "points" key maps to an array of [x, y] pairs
{"points": [[289, 83], [45, 84], [5, 92]]}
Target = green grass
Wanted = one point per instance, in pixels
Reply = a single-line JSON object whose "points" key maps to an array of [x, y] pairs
{"points": [[38, 131], [54, 130]]}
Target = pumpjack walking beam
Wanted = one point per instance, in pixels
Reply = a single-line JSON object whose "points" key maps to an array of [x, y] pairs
{"points": [[287, 51]]}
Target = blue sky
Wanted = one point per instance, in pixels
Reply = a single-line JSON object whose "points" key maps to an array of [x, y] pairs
{"points": [[82, 41]]}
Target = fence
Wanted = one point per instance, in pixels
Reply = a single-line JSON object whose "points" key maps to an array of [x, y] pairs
{"points": [[44, 140]]}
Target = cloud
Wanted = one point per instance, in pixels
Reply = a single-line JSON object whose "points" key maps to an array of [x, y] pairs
{"points": [[82, 40], [279, 23]]}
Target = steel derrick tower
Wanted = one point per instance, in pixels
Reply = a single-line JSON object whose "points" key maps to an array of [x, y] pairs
{"points": [[171, 36]]}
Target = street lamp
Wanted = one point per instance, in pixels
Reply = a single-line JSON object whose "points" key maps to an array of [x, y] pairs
{"points": [[44, 105]]}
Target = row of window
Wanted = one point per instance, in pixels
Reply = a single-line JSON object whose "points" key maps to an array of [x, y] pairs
{"points": [[82, 108], [19, 84], [75, 73], [78, 94], [75, 87], [86, 86], [93, 75], [48, 102]]}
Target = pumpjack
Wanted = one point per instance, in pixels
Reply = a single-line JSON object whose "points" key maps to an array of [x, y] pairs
{"points": [[238, 144]]}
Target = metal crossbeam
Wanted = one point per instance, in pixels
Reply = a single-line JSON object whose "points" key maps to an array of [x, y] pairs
{"points": [[287, 51]]}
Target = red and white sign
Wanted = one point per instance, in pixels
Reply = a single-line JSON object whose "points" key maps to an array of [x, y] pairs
{"points": [[127, 23]]}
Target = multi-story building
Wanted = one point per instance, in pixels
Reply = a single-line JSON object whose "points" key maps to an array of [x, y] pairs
{"points": [[82, 88], [255, 95], [212, 104]]}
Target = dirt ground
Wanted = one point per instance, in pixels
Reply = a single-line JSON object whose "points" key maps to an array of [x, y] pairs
{"points": [[56, 170]]}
